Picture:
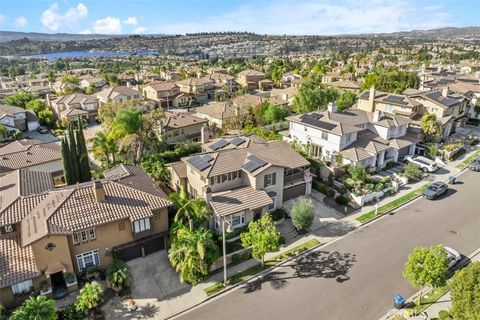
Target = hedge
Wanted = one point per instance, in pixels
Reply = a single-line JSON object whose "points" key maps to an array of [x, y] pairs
{"points": [[326, 190]]}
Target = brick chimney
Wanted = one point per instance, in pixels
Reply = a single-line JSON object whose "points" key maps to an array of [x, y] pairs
{"points": [[99, 191]]}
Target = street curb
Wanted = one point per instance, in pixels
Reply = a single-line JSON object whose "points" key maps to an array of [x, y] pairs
{"points": [[261, 273], [404, 204]]}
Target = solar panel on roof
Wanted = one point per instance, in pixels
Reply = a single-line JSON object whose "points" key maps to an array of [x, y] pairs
{"points": [[237, 141], [207, 158], [251, 166], [202, 165], [315, 121], [219, 144], [257, 160], [194, 160]]}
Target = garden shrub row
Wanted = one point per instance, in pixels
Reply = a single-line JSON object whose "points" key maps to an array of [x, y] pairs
{"points": [[326, 190]]}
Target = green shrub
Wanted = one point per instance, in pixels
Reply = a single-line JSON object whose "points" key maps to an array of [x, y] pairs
{"points": [[118, 274], [342, 200], [278, 214], [458, 154], [235, 233], [326, 190], [379, 187], [444, 315], [236, 258], [302, 214], [70, 313], [412, 171]]}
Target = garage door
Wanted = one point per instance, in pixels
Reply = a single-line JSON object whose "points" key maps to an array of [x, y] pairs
{"points": [[154, 244], [130, 252], [295, 191], [403, 152]]}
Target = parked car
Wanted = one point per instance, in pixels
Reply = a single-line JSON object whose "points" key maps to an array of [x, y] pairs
{"points": [[42, 129], [453, 257], [475, 164], [435, 190], [425, 164]]}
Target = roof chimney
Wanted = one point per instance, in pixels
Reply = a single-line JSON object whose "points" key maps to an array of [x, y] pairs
{"points": [[208, 195], [285, 96], [445, 91], [204, 135], [376, 116], [371, 98], [332, 107], [99, 191]]}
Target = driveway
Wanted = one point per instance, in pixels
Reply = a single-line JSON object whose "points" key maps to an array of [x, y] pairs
{"points": [[327, 222], [43, 138], [155, 288]]}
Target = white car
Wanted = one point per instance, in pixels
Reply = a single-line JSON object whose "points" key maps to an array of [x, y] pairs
{"points": [[453, 257], [425, 164]]}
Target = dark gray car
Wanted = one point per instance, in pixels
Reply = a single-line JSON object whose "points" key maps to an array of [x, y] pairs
{"points": [[435, 190], [475, 164]]}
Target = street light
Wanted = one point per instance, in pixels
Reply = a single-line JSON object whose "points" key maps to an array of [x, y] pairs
{"points": [[225, 249], [376, 208]]}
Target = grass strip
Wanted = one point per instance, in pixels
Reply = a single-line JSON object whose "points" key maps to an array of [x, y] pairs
{"points": [[392, 205], [216, 287], [428, 299], [467, 161]]}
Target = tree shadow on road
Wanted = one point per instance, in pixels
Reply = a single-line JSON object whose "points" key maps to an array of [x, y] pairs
{"points": [[317, 264]]}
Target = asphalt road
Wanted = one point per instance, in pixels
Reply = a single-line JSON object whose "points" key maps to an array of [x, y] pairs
{"points": [[357, 276]]}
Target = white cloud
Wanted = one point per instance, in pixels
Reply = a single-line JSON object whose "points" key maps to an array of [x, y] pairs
{"points": [[107, 25], [21, 22], [2, 18], [52, 20], [86, 31], [139, 30], [131, 21], [317, 17]]}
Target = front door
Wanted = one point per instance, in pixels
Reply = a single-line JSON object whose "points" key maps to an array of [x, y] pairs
{"points": [[59, 287]]}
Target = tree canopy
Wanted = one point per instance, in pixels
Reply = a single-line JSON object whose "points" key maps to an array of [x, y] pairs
{"points": [[262, 236], [302, 213], [390, 80], [313, 96], [465, 293]]}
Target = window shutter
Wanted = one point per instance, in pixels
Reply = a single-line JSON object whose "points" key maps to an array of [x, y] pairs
{"points": [[274, 178], [265, 181]]}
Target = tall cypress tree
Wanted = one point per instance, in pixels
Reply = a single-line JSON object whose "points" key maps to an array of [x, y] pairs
{"points": [[83, 154], [76, 177], [67, 163]]}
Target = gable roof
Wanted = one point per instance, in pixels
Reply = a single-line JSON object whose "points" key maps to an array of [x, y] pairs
{"points": [[23, 156], [10, 111], [237, 200], [113, 92], [175, 120]]}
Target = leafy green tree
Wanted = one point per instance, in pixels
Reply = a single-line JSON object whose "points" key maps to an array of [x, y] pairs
{"points": [[465, 293], [302, 213], [195, 211], [427, 267], [70, 78], [390, 80], [268, 113], [36, 308], [36, 106], [3, 132], [118, 274], [346, 100], [430, 126], [313, 96], [20, 99], [89, 297], [412, 171], [104, 149], [46, 117], [358, 174], [262, 236], [433, 151], [90, 89], [192, 253], [156, 170]]}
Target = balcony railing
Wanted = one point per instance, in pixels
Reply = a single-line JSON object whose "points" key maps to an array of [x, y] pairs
{"points": [[293, 177]]}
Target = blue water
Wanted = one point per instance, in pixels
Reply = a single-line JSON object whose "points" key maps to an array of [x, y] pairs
{"points": [[87, 54]]}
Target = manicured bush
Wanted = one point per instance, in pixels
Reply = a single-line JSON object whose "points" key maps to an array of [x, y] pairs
{"points": [[444, 315], [326, 190], [342, 200], [302, 214], [278, 214], [412, 171]]}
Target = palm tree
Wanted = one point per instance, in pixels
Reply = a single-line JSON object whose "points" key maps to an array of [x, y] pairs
{"points": [[194, 210], [118, 274], [430, 127], [89, 297], [104, 148], [39, 308], [192, 253]]}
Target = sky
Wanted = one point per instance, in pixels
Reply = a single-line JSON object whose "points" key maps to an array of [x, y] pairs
{"points": [[292, 17]]}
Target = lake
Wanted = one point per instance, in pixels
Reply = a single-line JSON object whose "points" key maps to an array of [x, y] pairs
{"points": [[87, 54]]}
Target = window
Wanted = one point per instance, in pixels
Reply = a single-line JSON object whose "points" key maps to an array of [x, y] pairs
{"points": [[237, 220], [234, 175], [269, 179], [84, 236], [271, 206], [88, 259], [22, 287], [324, 135], [141, 225], [212, 181]]}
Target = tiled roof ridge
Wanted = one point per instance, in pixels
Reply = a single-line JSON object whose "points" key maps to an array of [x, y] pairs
{"points": [[140, 191]]}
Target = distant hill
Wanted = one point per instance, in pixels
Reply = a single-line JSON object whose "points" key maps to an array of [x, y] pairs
{"points": [[460, 32]]}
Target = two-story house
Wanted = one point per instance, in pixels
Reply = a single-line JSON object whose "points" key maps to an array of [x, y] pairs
{"points": [[202, 88], [370, 139], [49, 235], [75, 106], [165, 93], [16, 118], [250, 79], [222, 114], [243, 177], [87, 81], [118, 94], [182, 127]]}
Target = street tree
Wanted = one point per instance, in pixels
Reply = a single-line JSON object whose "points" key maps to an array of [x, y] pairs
{"points": [[262, 236], [465, 293], [430, 126], [36, 308], [427, 267], [192, 253], [302, 213]]}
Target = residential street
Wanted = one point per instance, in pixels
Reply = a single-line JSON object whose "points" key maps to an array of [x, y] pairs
{"points": [[357, 276]]}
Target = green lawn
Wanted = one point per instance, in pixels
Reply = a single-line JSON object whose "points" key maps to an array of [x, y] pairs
{"points": [[214, 288], [428, 299], [392, 205], [467, 161]]}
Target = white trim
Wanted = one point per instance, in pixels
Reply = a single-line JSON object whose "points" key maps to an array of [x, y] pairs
{"points": [[95, 259]]}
